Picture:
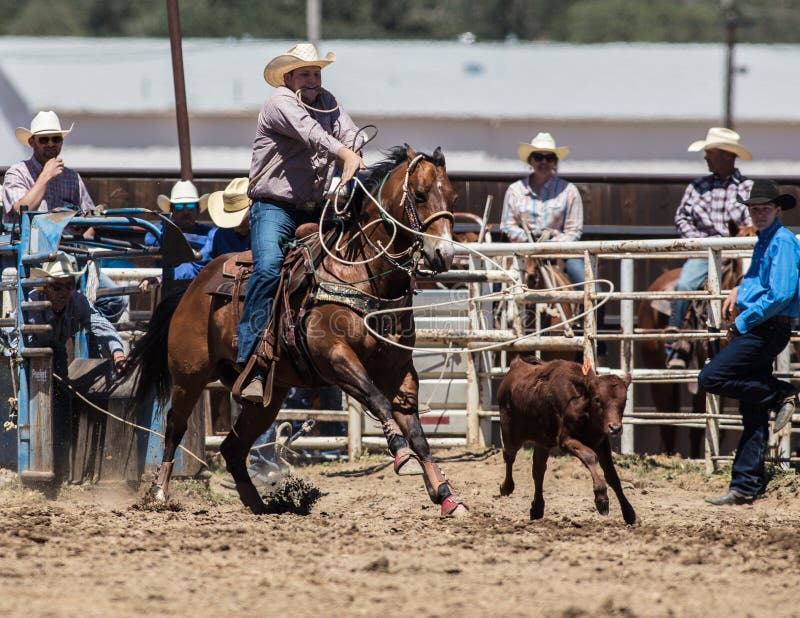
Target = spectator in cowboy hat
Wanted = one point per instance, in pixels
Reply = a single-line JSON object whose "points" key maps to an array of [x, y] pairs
{"points": [[543, 206], [301, 135], [43, 182], [767, 300], [184, 204], [230, 212], [69, 312], [709, 204]]}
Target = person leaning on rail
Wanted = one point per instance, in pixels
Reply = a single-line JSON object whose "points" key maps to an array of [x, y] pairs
{"points": [[708, 205], [300, 138], [184, 204], [69, 312], [767, 301], [44, 183]]}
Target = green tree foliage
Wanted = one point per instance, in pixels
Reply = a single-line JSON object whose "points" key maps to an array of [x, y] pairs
{"points": [[578, 21]]}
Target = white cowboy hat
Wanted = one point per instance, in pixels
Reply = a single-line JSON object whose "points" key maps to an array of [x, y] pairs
{"points": [[43, 123], [301, 55], [183, 192], [723, 139], [543, 142], [63, 267], [229, 207]]}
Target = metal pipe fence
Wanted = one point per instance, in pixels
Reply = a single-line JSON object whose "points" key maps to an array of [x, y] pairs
{"points": [[511, 335]]}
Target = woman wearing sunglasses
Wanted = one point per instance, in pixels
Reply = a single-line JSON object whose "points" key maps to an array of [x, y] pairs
{"points": [[543, 206]]}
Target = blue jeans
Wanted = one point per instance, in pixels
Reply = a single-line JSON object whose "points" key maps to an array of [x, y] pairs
{"points": [[269, 225], [743, 370], [693, 273], [574, 268], [112, 307]]}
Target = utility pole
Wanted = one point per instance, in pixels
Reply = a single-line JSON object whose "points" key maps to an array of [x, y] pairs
{"points": [[314, 21], [731, 22], [181, 109]]}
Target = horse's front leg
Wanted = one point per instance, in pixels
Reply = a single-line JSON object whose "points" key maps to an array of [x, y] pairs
{"points": [[405, 413], [351, 376]]}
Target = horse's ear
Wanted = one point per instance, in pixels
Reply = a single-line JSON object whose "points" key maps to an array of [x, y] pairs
{"points": [[410, 152], [733, 229], [438, 156]]}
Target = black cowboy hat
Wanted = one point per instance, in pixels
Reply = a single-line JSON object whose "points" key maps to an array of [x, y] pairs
{"points": [[765, 192]]}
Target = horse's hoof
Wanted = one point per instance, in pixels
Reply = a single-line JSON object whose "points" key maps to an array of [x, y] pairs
{"points": [[157, 494], [453, 506], [506, 490], [407, 464]]}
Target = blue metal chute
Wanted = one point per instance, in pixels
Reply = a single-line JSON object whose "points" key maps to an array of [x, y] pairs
{"points": [[41, 236]]}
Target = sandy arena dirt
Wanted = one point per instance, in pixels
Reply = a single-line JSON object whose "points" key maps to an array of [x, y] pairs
{"points": [[374, 545]]}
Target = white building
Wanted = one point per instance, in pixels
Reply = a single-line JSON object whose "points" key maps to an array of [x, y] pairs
{"points": [[620, 107]]}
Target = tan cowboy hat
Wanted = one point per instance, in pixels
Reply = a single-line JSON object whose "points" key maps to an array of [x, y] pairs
{"points": [[183, 192], [723, 139], [543, 142], [229, 207], [301, 55], [43, 123], [63, 267]]}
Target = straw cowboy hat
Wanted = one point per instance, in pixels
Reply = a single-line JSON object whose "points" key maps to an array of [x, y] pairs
{"points": [[43, 123], [63, 267], [543, 142], [723, 139], [229, 207], [183, 192], [765, 192], [301, 55]]}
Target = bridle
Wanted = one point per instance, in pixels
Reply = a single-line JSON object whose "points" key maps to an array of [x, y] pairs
{"points": [[410, 204], [416, 224]]}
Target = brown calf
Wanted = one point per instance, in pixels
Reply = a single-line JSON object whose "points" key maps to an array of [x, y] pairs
{"points": [[555, 404]]}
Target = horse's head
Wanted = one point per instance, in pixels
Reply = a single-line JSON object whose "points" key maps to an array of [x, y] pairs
{"points": [[428, 203], [418, 194]]}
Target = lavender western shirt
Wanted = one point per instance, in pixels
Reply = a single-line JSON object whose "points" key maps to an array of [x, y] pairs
{"points": [[295, 149], [67, 190]]}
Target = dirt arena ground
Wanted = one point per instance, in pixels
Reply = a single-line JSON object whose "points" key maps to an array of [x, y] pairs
{"points": [[374, 545]]}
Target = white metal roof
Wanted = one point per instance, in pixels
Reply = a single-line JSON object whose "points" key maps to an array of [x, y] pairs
{"points": [[413, 79]]}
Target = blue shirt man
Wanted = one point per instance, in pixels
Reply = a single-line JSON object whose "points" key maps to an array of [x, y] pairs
{"points": [[184, 204], [767, 300]]}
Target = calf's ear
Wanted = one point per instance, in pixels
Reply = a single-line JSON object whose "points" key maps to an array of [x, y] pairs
{"points": [[627, 379]]}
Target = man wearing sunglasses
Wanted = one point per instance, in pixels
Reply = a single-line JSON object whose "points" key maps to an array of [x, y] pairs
{"points": [[43, 182], [184, 204]]}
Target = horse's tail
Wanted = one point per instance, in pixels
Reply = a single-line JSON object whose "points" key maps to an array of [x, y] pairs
{"points": [[149, 354]]}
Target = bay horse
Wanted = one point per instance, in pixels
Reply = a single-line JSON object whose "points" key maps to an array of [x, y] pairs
{"points": [[413, 189], [651, 315]]}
